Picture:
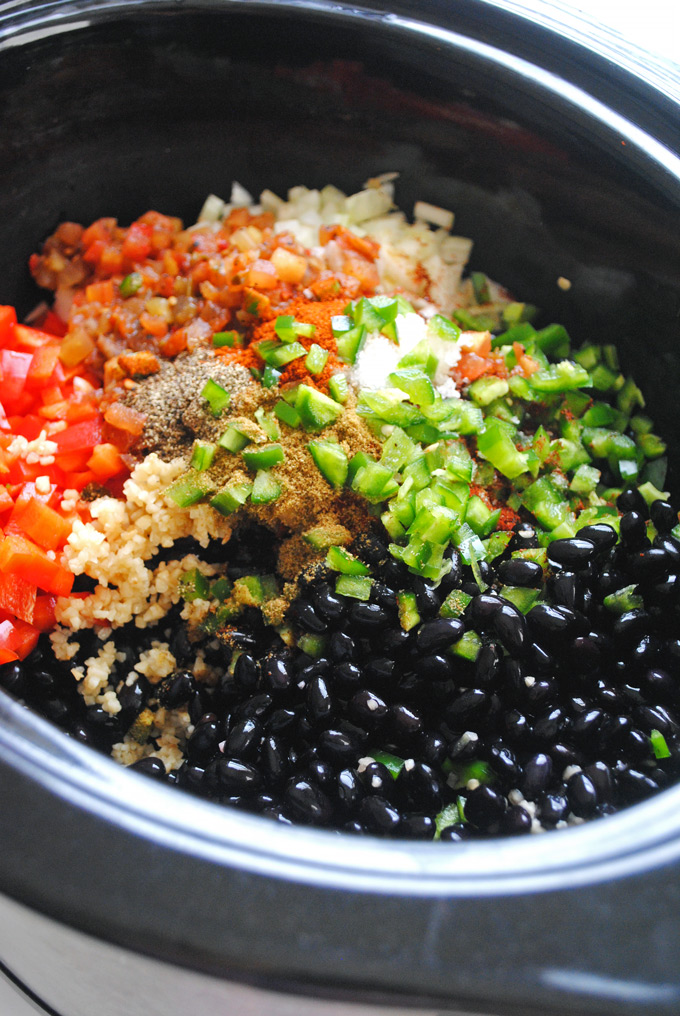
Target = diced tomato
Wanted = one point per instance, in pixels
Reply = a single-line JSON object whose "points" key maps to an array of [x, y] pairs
{"points": [[99, 292], [17, 596], [137, 243], [80, 436], [8, 320], [125, 418], [472, 366], [20, 556], [43, 524]]}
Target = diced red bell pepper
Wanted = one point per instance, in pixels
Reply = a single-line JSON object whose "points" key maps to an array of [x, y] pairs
{"points": [[43, 364], [27, 426], [8, 320], [17, 640], [80, 436], [105, 461], [17, 596], [42, 524], [53, 324], [20, 556], [44, 617], [31, 338], [6, 500], [14, 367]]}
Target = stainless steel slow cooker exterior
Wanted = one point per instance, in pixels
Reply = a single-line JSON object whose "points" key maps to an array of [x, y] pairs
{"points": [[125, 897]]}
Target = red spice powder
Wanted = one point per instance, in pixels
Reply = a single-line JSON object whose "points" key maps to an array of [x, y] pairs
{"points": [[314, 312]]}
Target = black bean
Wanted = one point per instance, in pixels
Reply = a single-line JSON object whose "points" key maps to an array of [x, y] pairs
{"points": [[432, 748], [538, 694], [565, 755], [428, 598], [537, 775], [656, 718], [566, 590], [405, 722], [204, 740], [419, 786], [649, 565], [377, 779], [587, 724], [632, 500], [515, 821], [658, 685], [191, 777], [633, 529], [368, 616], [484, 806], [524, 537], [582, 794], [246, 672], [306, 802], [328, 606], [631, 625], [149, 766], [379, 672], [320, 773], [319, 701], [256, 705], [341, 648], [175, 690], [467, 706], [520, 571], [600, 775], [455, 833], [432, 636], [670, 545], [243, 739], [418, 827], [511, 628], [517, 726], [338, 747], [273, 759], [602, 535], [277, 672], [636, 784], [663, 516], [346, 678], [282, 721], [349, 789], [487, 666], [552, 808], [13, 678], [550, 724], [231, 777], [573, 553], [436, 668], [379, 815], [552, 623], [394, 642], [368, 708], [504, 762], [483, 609]]}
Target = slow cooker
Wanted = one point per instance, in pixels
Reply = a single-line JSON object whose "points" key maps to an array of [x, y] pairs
{"points": [[558, 150]]}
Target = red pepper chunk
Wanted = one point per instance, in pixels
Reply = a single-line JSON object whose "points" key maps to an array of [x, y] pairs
{"points": [[42, 524], [17, 597], [20, 556], [8, 320], [17, 640], [80, 436]]}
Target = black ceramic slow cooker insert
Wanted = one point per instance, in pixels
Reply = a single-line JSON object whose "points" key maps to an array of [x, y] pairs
{"points": [[559, 161]]}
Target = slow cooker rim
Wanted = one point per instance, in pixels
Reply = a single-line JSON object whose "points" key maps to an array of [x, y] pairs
{"points": [[98, 782]]}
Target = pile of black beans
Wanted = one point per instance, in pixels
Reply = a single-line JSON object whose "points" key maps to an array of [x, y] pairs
{"points": [[559, 704]]}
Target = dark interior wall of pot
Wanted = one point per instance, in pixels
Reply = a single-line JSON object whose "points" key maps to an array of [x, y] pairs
{"points": [[161, 110]]}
